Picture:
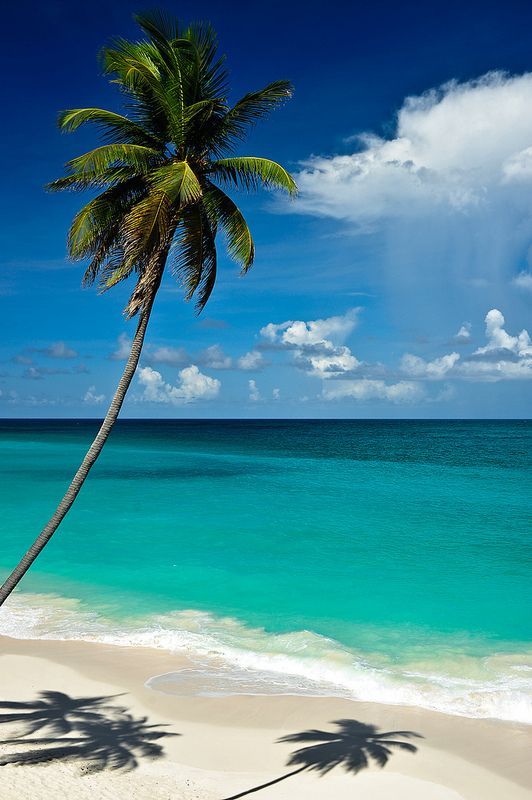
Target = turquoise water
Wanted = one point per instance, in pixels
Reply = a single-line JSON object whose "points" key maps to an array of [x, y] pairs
{"points": [[376, 559]]}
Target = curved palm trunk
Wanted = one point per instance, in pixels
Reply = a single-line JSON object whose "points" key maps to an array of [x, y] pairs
{"points": [[92, 454]]}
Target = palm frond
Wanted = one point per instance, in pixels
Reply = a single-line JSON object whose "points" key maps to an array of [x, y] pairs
{"points": [[200, 108], [107, 254], [226, 213], [146, 229], [250, 173], [96, 162], [115, 127], [103, 215], [134, 64], [206, 75], [161, 27], [114, 270], [204, 139], [102, 179], [152, 76], [178, 181], [87, 227], [195, 259], [254, 106]]}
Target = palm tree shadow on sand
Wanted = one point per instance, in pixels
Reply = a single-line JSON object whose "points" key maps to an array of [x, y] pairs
{"points": [[353, 746], [92, 731]]}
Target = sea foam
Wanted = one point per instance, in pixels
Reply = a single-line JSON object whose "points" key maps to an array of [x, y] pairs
{"points": [[228, 657]]}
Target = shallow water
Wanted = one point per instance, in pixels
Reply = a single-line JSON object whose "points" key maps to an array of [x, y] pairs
{"points": [[384, 560]]}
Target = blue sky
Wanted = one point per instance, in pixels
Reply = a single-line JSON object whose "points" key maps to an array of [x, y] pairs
{"points": [[399, 284]]}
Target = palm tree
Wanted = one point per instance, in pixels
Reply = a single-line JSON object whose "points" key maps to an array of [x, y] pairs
{"points": [[160, 175], [354, 745]]}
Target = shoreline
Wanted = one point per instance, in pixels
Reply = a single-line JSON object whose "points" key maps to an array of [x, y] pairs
{"points": [[227, 654], [227, 744]]}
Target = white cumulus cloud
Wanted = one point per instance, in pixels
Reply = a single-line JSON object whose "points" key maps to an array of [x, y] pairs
{"points": [[91, 396], [55, 350], [213, 357], [499, 339], [463, 334], [172, 356], [450, 145], [501, 370], [419, 368], [504, 357], [249, 361], [316, 331], [523, 281], [366, 389], [123, 347], [329, 363], [316, 344], [254, 394], [60, 350], [192, 385], [441, 207]]}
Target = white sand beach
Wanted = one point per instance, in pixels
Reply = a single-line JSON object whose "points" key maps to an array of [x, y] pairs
{"points": [[225, 745]]}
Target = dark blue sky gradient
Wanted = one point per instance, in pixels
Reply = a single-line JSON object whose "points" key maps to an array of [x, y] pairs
{"points": [[352, 65]]}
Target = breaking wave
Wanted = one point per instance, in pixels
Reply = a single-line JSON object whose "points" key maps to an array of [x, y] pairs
{"points": [[227, 657]]}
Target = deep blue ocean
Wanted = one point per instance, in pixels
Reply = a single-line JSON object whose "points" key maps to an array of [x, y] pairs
{"points": [[381, 560]]}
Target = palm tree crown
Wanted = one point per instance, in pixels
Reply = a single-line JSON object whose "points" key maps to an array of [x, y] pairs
{"points": [[161, 168]]}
